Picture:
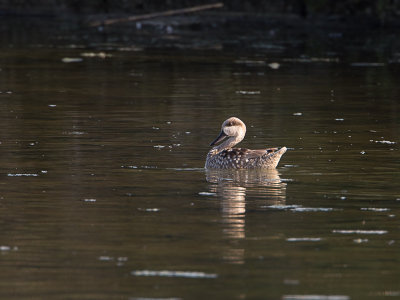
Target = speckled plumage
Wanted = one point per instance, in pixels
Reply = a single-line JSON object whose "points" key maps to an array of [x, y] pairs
{"points": [[224, 156]]}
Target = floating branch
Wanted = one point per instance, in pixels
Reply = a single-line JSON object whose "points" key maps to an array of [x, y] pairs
{"points": [[157, 14]]}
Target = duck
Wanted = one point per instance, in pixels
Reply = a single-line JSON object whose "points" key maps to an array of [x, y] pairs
{"points": [[224, 156]]}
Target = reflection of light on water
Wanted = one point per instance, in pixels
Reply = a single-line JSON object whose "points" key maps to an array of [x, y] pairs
{"points": [[234, 198], [299, 208], [233, 207], [167, 273], [304, 239], [315, 297], [359, 231], [234, 255], [232, 186]]}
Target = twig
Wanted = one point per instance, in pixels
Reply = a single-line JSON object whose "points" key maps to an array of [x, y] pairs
{"points": [[157, 14]]}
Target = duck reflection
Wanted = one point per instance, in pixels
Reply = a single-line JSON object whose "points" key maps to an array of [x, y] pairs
{"points": [[265, 187]]}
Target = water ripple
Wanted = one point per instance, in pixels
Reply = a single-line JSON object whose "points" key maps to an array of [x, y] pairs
{"points": [[299, 208], [359, 231], [303, 239], [315, 297], [375, 209], [22, 174]]}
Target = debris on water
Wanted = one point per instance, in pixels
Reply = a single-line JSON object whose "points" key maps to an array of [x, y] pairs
{"points": [[98, 54], [335, 35], [168, 122], [389, 293], [375, 209], [281, 207], [135, 74], [129, 167], [250, 62], [106, 258], [207, 194], [299, 208], [284, 180], [248, 92], [74, 46], [315, 297], [89, 200], [43, 171], [274, 65], [367, 64], [71, 59], [159, 146], [241, 73], [130, 48], [339, 119], [312, 209], [52, 105], [291, 281], [187, 132], [385, 142], [297, 114], [5, 248], [305, 59], [74, 132], [22, 174], [121, 261], [359, 231], [186, 169], [149, 209], [363, 152], [152, 298], [155, 128], [303, 239], [359, 241], [343, 198], [166, 273]]}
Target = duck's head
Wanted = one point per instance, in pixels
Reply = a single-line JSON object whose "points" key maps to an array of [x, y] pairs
{"points": [[233, 129]]}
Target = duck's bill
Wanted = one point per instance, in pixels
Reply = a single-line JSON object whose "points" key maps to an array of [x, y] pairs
{"points": [[220, 138]]}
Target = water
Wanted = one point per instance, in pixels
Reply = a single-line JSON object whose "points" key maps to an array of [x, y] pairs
{"points": [[104, 196]]}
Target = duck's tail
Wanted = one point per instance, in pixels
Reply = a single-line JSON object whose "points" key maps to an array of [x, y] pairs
{"points": [[272, 159]]}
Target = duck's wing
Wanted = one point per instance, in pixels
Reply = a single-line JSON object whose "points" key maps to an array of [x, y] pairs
{"points": [[249, 159], [250, 154], [246, 153]]}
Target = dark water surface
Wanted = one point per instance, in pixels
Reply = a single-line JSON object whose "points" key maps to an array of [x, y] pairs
{"points": [[103, 194]]}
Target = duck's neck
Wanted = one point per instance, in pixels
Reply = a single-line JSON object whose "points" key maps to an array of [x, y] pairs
{"points": [[229, 143]]}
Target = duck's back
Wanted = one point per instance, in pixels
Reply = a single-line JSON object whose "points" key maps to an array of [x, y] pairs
{"points": [[242, 158]]}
